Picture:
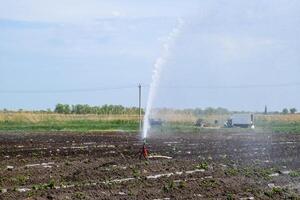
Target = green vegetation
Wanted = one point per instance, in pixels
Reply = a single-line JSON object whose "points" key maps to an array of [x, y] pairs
{"points": [[251, 172], [79, 195], [280, 126], [229, 196], [182, 184], [293, 110], [285, 111], [208, 183], [100, 110], [294, 174], [274, 191], [72, 125], [79, 118], [20, 179], [50, 185], [176, 127], [136, 173], [83, 118], [169, 186], [231, 172], [172, 185], [203, 165]]}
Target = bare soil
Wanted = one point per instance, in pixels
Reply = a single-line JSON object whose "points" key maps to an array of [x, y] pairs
{"points": [[107, 166]]}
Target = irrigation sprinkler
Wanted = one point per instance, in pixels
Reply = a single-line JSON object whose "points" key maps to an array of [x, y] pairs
{"points": [[144, 150], [140, 108]]}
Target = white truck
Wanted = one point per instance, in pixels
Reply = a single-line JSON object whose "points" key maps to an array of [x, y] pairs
{"points": [[240, 120]]}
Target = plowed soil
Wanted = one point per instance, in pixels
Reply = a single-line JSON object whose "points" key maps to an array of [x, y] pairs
{"points": [[107, 166]]}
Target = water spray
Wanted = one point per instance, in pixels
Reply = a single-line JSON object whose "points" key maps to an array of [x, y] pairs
{"points": [[159, 64]]}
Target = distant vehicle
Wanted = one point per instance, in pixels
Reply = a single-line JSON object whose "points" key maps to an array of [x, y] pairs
{"points": [[156, 122], [240, 120], [203, 124], [200, 122]]}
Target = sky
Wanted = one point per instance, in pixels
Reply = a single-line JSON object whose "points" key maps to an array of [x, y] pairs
{"points": [[241, 55]]}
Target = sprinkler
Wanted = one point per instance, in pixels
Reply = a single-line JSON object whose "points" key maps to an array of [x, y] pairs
{"points": [[144, 151]]}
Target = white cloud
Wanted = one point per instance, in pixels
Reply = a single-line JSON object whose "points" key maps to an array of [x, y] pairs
{"points": [[116, 13], [240, 47], [86, 10]]}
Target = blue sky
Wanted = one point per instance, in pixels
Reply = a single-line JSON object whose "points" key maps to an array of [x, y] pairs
{"points": [[75, 44]]}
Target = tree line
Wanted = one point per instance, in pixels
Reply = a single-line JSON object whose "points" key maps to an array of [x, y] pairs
{"points": [[195, 111], [100, 110], [287, 111], [119, 109]]}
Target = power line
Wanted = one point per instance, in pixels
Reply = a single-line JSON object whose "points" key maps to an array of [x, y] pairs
{"points": [[99, 89], [65, 90], [246, 86]]}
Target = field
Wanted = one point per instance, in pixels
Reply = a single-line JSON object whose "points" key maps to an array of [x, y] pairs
{"points": [[56, 156], [106, 165], [34, 122], [45, 122]]}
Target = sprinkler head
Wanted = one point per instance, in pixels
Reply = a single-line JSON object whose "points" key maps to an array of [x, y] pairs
{"points": [[144, 150]]}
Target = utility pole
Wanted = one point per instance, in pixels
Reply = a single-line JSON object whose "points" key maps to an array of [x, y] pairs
{"points": [[266, 110], [140, 106]]}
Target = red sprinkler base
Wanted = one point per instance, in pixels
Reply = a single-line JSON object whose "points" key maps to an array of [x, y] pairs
{"points": [[144, 152]]}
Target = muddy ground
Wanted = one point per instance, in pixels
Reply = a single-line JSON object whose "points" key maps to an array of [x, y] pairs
{"points": [[107, 166]]}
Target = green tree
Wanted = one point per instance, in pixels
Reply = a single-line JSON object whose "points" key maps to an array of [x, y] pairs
{"points": [[59, 108], [209, 111], [293, 110], [100, 110], [67, 109], [285, 111], [62, 108]]}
